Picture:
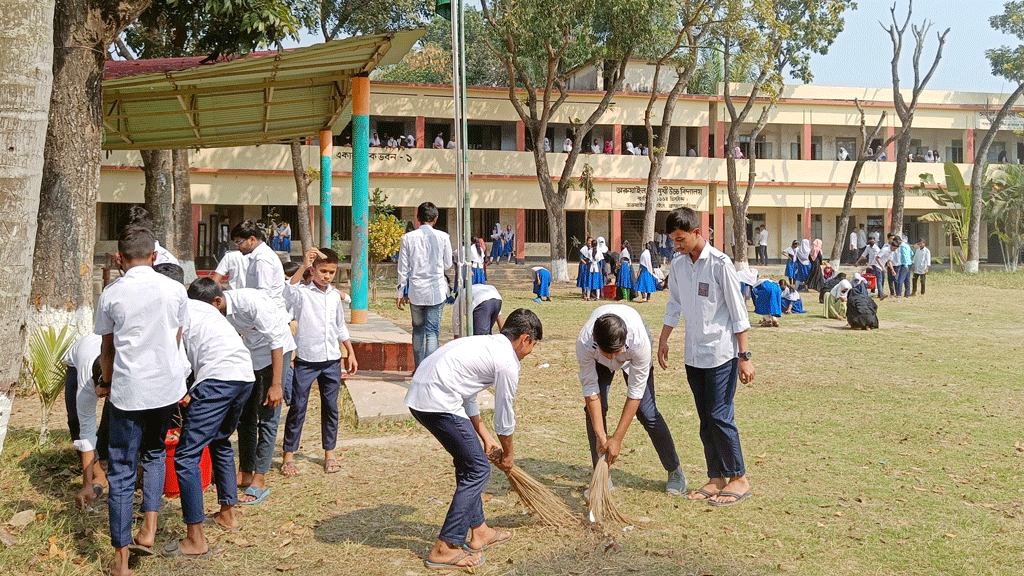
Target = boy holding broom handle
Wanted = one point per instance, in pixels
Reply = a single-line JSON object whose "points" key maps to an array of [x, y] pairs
{"points": [[442, 397]]}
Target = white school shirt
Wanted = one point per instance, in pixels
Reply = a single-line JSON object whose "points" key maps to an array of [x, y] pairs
{"points": [[449, 380], [645, 260], [862, 238], [706, 294], [214, 348], [321, 319], [922, 260], [790, 295], [624, 255], [266, 273], [853, 240], [476, 257], [81, 356], [163, 256], [634, 358], [422, 259], [870, 251], [481, 294], [260, 324], [144, 310], [762, 239], [235, 266]]}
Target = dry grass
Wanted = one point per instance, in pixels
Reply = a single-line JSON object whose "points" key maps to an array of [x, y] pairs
{"points": [[548, 508], [600, 503], [892, 452]]}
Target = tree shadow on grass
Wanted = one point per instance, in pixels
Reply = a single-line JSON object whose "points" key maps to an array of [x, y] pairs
{"points": [[383, 527]]}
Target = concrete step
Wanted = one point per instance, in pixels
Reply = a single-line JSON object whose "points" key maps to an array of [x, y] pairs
{"points": [[380, 396]]}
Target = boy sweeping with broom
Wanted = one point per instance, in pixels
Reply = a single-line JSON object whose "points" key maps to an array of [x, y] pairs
{"points": [[442, 397]]}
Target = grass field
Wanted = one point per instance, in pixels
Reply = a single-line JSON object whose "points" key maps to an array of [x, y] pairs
{"points": [[896, 451]]}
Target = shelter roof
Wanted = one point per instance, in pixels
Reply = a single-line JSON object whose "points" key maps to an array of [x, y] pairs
{"points": [[260, 98]]}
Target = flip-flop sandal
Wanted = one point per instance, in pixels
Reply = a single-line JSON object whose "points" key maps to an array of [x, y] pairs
{"points": [[706, 495], [258, 493], [211, 520], [289, 469], [332, 466], [738, 498], [453, 564], [494, 541], [136, 549], [173, 550]]}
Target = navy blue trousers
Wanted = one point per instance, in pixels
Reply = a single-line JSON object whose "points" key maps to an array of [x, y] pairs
{"points": [[714, 390], [103, 429], [647, 413], [212, 416], [472, 470], [328, 380]]}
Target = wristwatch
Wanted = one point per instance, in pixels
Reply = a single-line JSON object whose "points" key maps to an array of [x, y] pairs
{"points": [[745, 355]]}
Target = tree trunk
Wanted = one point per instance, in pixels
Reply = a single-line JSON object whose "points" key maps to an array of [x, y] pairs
{"points": [[302, 182], [184, 236], [844, 216], [554, 202], [44, 425], [26, 39], [159, 195], [899, 183], [62, 276]]}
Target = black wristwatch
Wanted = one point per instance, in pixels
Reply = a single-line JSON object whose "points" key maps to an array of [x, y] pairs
{"points": [[745, 355]]}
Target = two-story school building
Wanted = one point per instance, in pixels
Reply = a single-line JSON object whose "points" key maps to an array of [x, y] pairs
{"points": [[800, 178]]}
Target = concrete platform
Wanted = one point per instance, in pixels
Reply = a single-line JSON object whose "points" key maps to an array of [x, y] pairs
{"points": [[381, 346], [379, 396]]}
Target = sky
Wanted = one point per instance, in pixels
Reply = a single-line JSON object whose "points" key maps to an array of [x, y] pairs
{"points": [[861, 54]]}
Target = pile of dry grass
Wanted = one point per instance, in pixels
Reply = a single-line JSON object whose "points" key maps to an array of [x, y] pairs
{"points": [[550, 509], [600, 503]]}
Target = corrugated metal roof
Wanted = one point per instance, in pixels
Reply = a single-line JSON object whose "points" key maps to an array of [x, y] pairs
{"points": [[261, 98]]}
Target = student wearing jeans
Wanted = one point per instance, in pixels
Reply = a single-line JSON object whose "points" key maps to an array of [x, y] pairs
{"points": [[139, 316], [922, 263], [424, 256]]}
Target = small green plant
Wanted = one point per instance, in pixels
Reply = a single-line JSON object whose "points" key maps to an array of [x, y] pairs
{"points": [[46, 350], [336, 244], [384, 236], [954, 197]]}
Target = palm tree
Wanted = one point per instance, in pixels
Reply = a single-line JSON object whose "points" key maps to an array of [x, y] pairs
{"points": [[956, 199], [1004, 211]]}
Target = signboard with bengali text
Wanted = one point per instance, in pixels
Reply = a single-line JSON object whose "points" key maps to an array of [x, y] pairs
{"points": [[670, 196]]}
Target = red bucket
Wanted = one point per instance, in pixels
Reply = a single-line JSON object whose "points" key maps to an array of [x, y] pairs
{"points": [[171, 478]]}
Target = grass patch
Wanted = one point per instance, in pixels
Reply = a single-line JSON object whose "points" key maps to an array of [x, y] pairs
{"points": [[895, 451]]}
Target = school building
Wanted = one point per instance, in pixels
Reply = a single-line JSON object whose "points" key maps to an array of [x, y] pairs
{"points": [[799, 177]]}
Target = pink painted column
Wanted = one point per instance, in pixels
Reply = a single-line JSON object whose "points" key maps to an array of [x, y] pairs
{"points": [[805, 142], [807, 223], [616, 242], [969, 146], [521, 136], [705, 141], [704, 217], [421, 131], [890, 150], [197, 215], [617, 139], [720, 231], [520, 235], [719, 151]]}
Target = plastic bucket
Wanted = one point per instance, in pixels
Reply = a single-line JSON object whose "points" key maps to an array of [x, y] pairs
{"points": [[171, 477]]}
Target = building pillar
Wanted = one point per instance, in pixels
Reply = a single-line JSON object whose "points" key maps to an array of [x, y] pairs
{"points": [[890, 150], [617, 139], [805, 142], [807, 222], [616, 239], [421, 131], [520, 235], [969, 146], [705, 142], [360, 196], [326, 150], [197, 215], [705, 217], [521, 136], [719, 218], [719, 151]]}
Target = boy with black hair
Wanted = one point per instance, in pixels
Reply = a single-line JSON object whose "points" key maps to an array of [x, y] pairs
{"points": [[616, 337], [83, 373], [141, 218], [423, 257], [265, 271], [442, 397], [321, 328], [705, 292], [267, 337], [223, 381], [139, 316]]}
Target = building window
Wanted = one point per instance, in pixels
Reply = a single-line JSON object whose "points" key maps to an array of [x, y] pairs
{"points": [[815, 147], [537, 226], [482, 221], [113, 216], [484, 137], [794, 150], [341, 223], [816, 226], [848, 144], [753, 221], [955, 151]]}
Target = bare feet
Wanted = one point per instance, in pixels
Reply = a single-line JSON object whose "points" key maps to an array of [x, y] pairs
{"points": [[738, 486], [244, 479]]}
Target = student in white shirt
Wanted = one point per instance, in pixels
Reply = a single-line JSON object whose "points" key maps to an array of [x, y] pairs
{"points": [[321, 328], [486, 311], [614, 338], [853, 248], [223, 382], [265, 271], [83, 373], [880, 265], [267, 337], [424, 256], [235, 267], [139, 316], [442, 397], [705, 292], [477, 255], [922, 263]]}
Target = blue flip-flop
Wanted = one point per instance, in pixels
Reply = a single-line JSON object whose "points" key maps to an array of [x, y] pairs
{"points": [[258, 493], [738, 498], [454, 564]]}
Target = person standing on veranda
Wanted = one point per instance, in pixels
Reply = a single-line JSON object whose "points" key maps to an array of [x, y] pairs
{"points": [[424, 256]]}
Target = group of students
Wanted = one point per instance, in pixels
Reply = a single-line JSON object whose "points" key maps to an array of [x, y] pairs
{"points": [[594, 268], [217, 361], [703, 293], [503, 243]]}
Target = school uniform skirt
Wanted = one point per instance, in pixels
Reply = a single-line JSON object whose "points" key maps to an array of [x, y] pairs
{"points": [[496, 249], [802, 271], [767, 299], [624, 280], [595, 280], [507, 248], [646, 283], [581, 276], [542, 287], [791, 269], [478, 276], [798, 306]]}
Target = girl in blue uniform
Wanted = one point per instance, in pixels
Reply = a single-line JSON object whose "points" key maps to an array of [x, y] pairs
{"points": [[509, 240], [477, 255], [646, 283], [541, 284], [496, 242], [791, 302], [582, 281], [624, 278], [767, 297]]}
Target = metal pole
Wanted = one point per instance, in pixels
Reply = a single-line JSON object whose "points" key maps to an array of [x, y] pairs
{"points": [[461, 160], [360, 196], [325, 188]]}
